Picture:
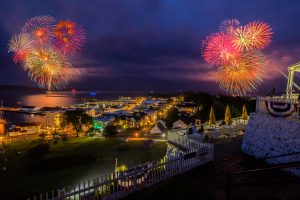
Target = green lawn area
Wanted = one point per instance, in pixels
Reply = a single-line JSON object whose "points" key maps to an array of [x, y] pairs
{"points": [[67, 163]]}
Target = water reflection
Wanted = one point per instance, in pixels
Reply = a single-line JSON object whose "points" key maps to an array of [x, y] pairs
{"points": [[45, 100], [13, 118]]}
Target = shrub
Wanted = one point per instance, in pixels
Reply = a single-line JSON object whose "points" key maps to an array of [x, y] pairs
{"points": [[65, 138], [38, 150]]}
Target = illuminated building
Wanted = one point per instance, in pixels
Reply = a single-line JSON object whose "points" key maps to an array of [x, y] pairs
{"points": [[2, 126], [24, 129]]}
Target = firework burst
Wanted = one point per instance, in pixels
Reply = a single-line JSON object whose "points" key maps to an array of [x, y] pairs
{"points": [[41, 56], [243, 76], [219, 49], [20, 44], [69, 36], [260, 33], [48, 68], [235, 51], [242, 39], [40, 28]]}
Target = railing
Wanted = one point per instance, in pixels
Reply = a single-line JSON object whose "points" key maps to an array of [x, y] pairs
{"points": [[229, 183], [261, 106], [234, 122], [282, 155], [179, 139], [280, 99], [119, 184]]}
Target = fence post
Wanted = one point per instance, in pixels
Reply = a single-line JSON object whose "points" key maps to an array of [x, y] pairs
{"points": [[62, 194], [181, 163], [212, 152], [135, 178]]}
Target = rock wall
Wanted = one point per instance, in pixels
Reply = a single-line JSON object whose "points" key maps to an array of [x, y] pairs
{"points": [[270, 136]]}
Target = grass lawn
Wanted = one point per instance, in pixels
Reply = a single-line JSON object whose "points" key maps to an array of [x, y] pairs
{"points": [[66, 163]]}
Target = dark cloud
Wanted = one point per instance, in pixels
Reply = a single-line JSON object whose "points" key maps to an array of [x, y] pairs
{"points": [[152, 45]]}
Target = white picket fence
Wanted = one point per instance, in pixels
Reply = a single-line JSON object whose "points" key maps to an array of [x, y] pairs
{"points": [[180, 139], [120, 184]]}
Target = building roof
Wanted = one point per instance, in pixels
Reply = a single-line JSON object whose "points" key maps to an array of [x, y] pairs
{"points": [[185, 120], [14, 130], [160, 126], [104, 118], [187, 105]]}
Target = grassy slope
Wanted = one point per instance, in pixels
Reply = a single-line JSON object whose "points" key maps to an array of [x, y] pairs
{"points": [[66, 163]]}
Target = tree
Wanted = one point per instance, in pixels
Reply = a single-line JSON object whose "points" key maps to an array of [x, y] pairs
{"points": [[172, 116], [42, 135], [110, 130], [76, 118]]}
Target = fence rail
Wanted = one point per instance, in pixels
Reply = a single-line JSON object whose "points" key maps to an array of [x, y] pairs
{"points": [[119, 184], [234, 122]]}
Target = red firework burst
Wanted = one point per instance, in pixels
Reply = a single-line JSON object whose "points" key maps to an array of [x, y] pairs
{"points": [[219, 49], [40, 28], [69, 37]]}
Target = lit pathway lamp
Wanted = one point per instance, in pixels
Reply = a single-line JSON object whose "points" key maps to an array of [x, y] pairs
{"points": [[212, 118], [227, 118], [244, 113]]}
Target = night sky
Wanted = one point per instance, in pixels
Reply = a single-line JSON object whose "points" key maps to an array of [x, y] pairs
{"points": [[155, 44]]}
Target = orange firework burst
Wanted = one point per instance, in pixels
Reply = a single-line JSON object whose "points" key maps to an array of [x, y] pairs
{"points": [[253, 36], [219, 49], [243, 76], [260, 33], [48, 68], [69, 36], [242, 39]]}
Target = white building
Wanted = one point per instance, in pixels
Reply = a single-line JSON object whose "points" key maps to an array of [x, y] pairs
{"points": [[24, 129], [179, 124], [157, 129]]}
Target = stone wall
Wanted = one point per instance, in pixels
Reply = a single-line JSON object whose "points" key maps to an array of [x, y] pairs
{"points": [[269, 136]]}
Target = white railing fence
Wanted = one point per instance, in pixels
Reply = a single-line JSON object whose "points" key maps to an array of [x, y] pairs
{"points": [[119, 184], [180, 139]]}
